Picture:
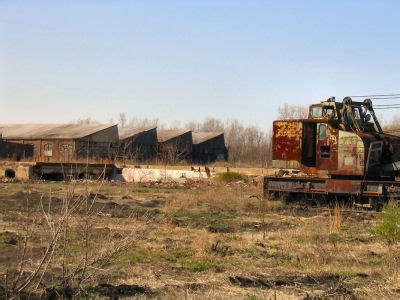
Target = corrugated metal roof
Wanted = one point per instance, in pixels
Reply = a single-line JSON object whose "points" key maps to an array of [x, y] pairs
{"points": [[200, 137], [127, 132], [165, 135], [50, 131]]}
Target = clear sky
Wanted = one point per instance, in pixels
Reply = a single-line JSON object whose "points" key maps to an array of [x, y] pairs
{"points": [[188, 60]]}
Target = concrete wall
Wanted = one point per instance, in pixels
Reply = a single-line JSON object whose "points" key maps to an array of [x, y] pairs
{"points": [[154, 175], [22, 171]]}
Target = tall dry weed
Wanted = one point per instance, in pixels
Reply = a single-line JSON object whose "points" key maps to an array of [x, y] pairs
{"points": [[177, 204], [223, 199], [335, 219], [202, 244]]}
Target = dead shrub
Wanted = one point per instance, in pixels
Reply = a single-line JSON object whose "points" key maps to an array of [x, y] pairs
{"points": [[335, 219], [70, 257]]}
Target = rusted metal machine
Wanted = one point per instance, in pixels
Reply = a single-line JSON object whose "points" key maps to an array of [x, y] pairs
{"points": [[340, 151]]}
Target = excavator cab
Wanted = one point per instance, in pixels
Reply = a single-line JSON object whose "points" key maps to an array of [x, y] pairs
{"points": [[348, 115]]}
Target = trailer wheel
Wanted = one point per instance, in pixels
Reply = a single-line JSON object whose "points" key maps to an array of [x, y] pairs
{"points": [[377, 204], [273, 196], [284, 197]]}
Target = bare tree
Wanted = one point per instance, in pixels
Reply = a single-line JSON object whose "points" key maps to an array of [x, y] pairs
{"points": [[86, 121], [175, 125], [143, 123], [122, 120], [209, 124], [287, 111], [128, 151], [173, 153], [393, 125], [246, 145]]}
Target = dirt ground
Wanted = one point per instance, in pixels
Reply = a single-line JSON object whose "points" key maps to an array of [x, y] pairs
{"points": [[194, 240]]}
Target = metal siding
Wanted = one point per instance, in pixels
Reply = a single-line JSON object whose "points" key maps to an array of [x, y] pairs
{"points": [[287, 140], [351, 153]]}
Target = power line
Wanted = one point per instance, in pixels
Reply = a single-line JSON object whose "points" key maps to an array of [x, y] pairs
{"points": [[390, 107], [381, 95], [384, 98], [391, 130]]}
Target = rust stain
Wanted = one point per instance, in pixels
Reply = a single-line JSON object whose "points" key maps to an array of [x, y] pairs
{"points": [[287, 140]]}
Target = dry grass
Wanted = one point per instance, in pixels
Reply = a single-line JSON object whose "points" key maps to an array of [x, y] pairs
{"points": [[202, 240], [335, 219]]}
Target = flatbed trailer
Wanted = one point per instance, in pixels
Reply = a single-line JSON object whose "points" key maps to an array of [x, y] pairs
{"points": [[369, 193]]}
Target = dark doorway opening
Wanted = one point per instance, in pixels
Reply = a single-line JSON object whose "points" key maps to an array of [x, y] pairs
{"points": [[53, 176], [309, 140], [9, 173]]}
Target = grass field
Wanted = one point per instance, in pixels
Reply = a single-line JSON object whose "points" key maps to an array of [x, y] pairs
{"points": [[209, 239]]}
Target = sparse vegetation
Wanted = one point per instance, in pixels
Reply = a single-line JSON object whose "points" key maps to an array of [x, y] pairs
{"points": [[220, 239], [232, 177], [388, 227]]}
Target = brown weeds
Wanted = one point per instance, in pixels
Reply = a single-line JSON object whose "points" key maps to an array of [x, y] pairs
{"points": [[335, 219]]}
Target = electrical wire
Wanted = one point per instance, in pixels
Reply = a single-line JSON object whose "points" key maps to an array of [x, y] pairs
{"points": [[383, 98], [391, 107], [381, 95]]}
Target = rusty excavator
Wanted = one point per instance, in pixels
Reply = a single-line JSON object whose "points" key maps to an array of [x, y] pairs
{"points": [[339, 152]]}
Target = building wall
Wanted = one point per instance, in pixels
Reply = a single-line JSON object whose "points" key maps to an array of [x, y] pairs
{"points": [[141, 147], [98, 146], [108, 135], [51, 150], [210, 150], [15, 151], [176, 149]]}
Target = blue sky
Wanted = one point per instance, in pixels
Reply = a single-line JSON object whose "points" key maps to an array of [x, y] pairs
{"points": [[188, 60]]}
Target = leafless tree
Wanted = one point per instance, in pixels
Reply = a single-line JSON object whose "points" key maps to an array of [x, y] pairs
{"points": [[247, 145], [86, 121], [127, 151], [172, 153], [287, 111], [122, 120], [175, 125], [393, 125], [143, 123]]}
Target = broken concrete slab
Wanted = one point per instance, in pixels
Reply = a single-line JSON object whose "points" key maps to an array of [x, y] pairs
{"points": [[153, 175]]}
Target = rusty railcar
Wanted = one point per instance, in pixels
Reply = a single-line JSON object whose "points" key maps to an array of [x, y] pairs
{"points": [[339, 151]]}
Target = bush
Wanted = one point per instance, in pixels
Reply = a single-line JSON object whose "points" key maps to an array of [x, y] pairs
{"points": [[233, 176], [200, 266], [388, 227]]}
